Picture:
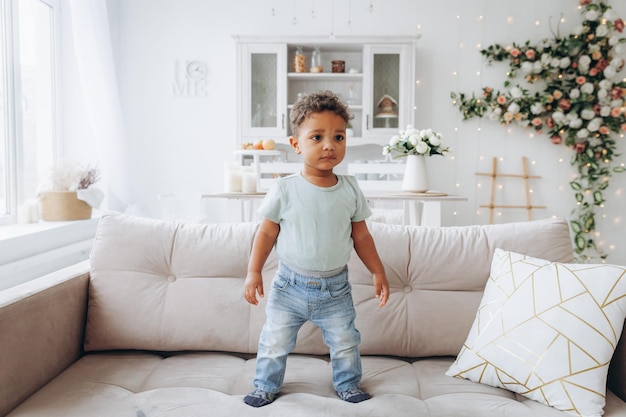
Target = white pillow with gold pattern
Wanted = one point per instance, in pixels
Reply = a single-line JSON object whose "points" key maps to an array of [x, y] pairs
{"points": [[547, 331]]}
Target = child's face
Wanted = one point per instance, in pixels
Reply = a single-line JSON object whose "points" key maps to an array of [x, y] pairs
{"points": [[321, 141]]}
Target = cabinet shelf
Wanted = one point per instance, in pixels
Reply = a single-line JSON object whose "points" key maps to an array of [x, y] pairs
{"points": [[354, 107], [325, 76], [257, 152]]}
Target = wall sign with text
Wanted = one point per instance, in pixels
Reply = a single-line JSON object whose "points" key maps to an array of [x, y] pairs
{"points": [[190, 78]]}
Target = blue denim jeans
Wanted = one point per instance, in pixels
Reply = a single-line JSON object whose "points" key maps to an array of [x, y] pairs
{"points": [[327, 303]]}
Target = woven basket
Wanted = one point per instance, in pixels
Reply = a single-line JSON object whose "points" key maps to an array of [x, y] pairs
{"points": [[63, 205]]}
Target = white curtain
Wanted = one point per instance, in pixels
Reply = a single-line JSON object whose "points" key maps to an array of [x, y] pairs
{"points": [[96, 69]]}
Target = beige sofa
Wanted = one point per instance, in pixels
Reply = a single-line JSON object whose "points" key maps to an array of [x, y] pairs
{"points": [[157, 326]]}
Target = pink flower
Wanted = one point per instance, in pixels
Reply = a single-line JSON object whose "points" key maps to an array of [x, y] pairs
{"points": [[619, 25], [593, 72], [602, 64], [501, 100], [623, 126], [550, 122], [580, 80], [580, 147], [615, 112], [604, 130], [616, 93], [597, 108], [515, 52], [565, 104], [584, 2], [556, 139], [537, 122], [530, 54]]}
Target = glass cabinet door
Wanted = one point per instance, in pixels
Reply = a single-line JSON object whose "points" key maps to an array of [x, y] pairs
{"points": [[388, 89], [264, 107]]}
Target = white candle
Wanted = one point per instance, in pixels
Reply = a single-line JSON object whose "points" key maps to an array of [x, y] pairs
{"points": [[33, 211], [248, 180], [232, 177], [23, 213]]}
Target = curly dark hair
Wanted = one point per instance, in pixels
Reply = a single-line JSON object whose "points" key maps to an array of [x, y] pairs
{"points": [[317, 103]]}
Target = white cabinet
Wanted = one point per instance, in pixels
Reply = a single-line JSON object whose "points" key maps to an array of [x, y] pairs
{"points": [[378, 84]]}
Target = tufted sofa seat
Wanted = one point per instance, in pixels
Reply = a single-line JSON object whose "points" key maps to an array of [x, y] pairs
{"points": [[158, 326]]}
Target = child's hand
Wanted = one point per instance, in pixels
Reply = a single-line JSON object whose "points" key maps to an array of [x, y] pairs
{"points": [[382, 288], [252, 286]]}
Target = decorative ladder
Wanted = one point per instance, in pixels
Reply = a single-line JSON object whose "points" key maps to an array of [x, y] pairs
{"points": [[494, 174]]}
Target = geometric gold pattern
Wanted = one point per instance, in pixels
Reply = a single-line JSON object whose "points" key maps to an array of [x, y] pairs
{"points": [[547, 331]]}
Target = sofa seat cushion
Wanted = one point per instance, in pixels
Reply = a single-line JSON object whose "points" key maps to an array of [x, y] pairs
{"points": [[140, 384]]}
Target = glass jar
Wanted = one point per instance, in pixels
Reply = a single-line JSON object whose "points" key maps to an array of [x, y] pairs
{"points": [[316, 60], [299, 61]]}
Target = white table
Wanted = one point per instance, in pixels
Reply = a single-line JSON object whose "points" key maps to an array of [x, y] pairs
{"points": [[430, 204]]}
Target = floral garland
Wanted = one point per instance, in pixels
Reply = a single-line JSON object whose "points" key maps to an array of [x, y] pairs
{"points": [[580, 103]]}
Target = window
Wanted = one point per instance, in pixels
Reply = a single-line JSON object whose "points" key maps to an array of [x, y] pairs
{"points": [[28, 103]]}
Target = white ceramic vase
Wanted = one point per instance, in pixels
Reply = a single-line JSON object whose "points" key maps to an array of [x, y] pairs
{"points": [[415, 174]]}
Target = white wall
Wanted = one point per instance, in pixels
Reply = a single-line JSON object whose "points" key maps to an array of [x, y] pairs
{"points": [[179, 143]]}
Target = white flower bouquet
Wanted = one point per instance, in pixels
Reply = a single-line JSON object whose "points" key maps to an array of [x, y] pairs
{"points": [[413, 141]]}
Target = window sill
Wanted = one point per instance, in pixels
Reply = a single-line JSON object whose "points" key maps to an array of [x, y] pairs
{"points": [[28, 251]]}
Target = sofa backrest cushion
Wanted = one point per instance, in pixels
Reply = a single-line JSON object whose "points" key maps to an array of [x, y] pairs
{"points": [[171, 286]]}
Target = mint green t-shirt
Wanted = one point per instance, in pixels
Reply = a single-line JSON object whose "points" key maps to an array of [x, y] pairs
{"points": [[315, 222]]}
